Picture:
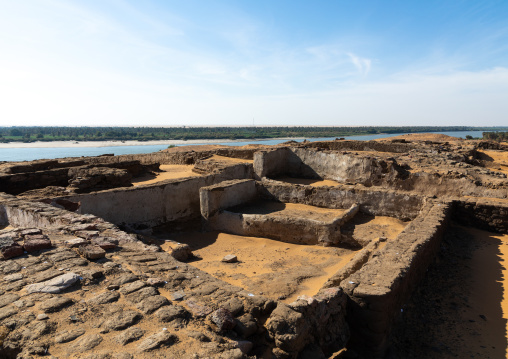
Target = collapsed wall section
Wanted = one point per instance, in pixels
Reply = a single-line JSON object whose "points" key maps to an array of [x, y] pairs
{"points": [[377, 291]]}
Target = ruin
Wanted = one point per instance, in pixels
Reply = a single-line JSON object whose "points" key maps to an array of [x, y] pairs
{"points": [[303, 250]]}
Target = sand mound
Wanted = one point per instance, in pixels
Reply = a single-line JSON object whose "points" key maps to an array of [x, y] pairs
{"points": [[435, 137]]}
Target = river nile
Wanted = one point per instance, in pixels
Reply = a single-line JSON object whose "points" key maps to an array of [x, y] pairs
{"points": [[33, 153]]}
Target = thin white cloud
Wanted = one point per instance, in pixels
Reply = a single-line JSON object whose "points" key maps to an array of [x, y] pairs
{"points": [[362, 64]]}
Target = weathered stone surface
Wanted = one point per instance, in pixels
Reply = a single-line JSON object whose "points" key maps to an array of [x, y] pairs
{"points": [[24, 303], [172, 312], [155, 281], [122, 320], [86, 343], [132, 287], [177, 296], [10, 266], [234, 305], [129, 335], [223, 319], [45, 275], [155, 341], [245, 346], [55, 285], [230, 258], [103, 243], [151, 304], [181, 252], [198, 336], [6, 312], [124, 278], [55, 304], [91, 252], [75, 242], [103, 298], [8, 299], [38, 242], [246, 325], [13, 277], [62, 255], [68, 335], [11, 250], [143, 293], [30, 231], [43, 316], [197, 309]]}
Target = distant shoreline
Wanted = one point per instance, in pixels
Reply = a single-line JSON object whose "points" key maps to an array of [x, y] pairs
{"points": [[60, 144]]}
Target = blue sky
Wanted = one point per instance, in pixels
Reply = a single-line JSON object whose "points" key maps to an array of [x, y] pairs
{"points": [[174, 63]]}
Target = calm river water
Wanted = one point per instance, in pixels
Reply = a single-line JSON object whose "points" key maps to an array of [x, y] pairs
{"points": [[29, 154]]}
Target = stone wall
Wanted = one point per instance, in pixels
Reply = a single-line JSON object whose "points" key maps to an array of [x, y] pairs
{"points": [[378, 202], [282, 228], [154, 204], [270, 163], [313, 326], [487, 214], [176, 157], [378, 290], [331, 165], [26, 214], [226, 194]]}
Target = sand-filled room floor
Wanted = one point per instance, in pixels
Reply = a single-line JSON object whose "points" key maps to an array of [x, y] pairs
{"points": [[277, 269]]}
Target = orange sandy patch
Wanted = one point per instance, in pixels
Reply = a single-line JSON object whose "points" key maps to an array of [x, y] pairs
{"points": [[167, 172], [275, 269], [228, 159], [308, 181], [292, 209], [496, 160], [489, 296]]}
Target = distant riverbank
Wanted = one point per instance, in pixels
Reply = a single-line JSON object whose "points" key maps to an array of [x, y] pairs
{"points": [[73, 144], [21, 151]]}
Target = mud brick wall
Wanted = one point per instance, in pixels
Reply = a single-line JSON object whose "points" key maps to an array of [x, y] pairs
{"points": [[271, 163], [21, 182], [486, 214], [176, 157], [284, 229], [226, 194], [154, 204], [22, 213], [314, 163], [377, 291], [378, 202]]}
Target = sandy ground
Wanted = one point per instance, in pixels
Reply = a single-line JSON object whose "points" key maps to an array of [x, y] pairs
{"points": [[461, 308], [308, 181], [276, 269], [167, 172], [229, 159], [290, 209], [496, 160]]}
